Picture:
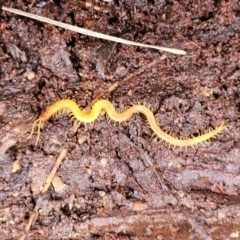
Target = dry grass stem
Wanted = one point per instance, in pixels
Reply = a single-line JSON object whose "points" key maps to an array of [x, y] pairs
{"points": [[91, 33]]}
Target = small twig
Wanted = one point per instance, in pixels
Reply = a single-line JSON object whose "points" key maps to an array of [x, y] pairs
{"points": [[54, 170], [48, 182], [108, 90], [91, 33], [31, 220]]}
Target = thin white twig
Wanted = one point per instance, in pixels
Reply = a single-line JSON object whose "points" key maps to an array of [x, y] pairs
{"points": [[91, 33], [50, 177]]}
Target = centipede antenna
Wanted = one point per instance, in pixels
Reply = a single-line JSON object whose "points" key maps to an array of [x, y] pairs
{"points": [[38, 132], [33, 127]]}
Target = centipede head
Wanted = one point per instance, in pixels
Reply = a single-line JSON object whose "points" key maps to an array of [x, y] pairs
{"points": [[37, 123]]}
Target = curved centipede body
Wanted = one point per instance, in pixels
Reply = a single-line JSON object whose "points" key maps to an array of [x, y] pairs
{"points": [[70, 107]]}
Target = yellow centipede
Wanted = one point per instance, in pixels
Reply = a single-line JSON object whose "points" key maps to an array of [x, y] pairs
{"points": [[70, 107]]}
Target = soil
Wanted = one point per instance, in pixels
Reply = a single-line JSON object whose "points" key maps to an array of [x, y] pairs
{"points": [[116, 181]]}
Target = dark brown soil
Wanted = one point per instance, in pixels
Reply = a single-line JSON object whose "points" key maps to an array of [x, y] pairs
{"points": [[116, 182]]}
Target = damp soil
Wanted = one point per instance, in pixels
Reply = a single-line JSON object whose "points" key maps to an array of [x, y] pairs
{"points": [[116, 181]]}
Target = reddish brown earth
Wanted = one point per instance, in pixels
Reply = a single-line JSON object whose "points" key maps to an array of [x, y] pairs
{"points": [[116, 182]]}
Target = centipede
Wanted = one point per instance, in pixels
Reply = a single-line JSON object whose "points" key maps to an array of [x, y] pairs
{"points": [[102, 106]]}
